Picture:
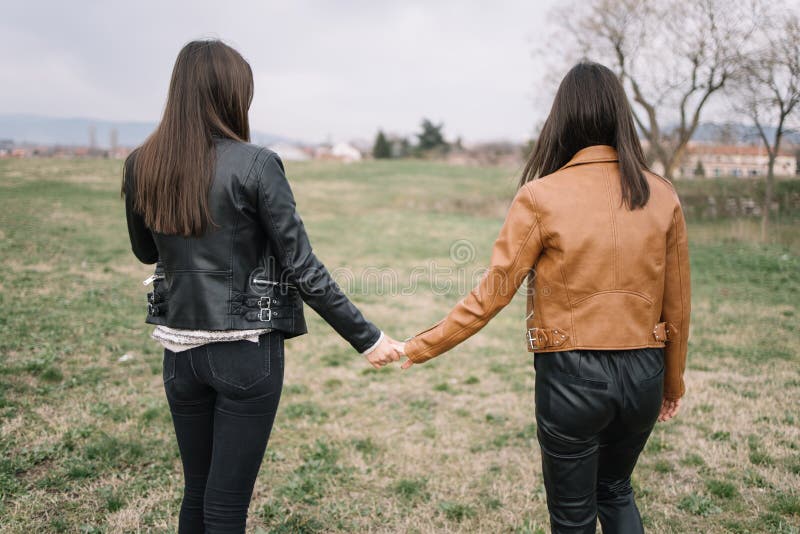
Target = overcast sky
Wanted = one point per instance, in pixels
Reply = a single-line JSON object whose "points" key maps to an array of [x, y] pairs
{"points": [[323, 69]]}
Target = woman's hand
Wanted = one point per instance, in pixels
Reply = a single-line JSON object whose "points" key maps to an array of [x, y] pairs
{"points": [[669, 409], [401, 348], [388, 350]]}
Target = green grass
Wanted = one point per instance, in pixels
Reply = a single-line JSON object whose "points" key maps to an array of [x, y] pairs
{"points": [[456, 512], [410, 490], [722, 489], [86, 441], [698, 505]]}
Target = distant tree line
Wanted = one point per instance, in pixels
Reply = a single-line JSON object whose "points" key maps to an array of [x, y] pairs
{"points": [[430, 142]]}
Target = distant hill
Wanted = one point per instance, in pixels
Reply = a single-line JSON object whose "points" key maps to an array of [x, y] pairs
{"points": [[733, 133], [23, 128]]}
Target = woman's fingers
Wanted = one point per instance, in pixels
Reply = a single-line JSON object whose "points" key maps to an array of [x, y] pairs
{"points": [[669, 409], [676, 405], [398, 349], [663, 414], [388, 351]]}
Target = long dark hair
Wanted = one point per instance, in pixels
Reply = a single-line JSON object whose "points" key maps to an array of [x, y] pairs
{"points": [[591, 108], [209, 95]]}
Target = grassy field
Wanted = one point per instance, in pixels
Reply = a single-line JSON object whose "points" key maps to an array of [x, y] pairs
{"points": [[86, 443]]}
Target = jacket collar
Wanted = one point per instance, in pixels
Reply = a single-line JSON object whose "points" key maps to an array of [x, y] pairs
{"points": [[593, 154]]}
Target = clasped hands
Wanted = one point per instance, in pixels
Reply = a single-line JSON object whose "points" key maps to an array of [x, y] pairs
{"points": [[388, 350]]}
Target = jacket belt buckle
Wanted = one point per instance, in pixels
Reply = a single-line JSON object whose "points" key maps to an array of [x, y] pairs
{"points": [[537, 338], [541, 338], [262, 309]]}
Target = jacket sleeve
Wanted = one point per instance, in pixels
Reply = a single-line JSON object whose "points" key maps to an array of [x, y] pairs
{"points": [[515, 252], [142, 243], [676, 305], [285, 229]]}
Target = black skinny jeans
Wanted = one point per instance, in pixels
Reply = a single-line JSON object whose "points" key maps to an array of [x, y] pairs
{"points": [[594, 412], [223, 398]]}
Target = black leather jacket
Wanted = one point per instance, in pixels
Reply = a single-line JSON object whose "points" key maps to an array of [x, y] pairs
{"points": [[254, 268]]}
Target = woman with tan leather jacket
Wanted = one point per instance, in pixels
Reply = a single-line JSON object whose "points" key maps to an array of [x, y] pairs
{"points": [[602, 244]]}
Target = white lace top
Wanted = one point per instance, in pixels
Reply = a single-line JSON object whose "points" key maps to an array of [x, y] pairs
{"points": [[179, 340]]}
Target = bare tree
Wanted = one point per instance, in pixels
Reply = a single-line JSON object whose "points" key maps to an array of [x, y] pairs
{"points": [[767, 91], [672, 56]]}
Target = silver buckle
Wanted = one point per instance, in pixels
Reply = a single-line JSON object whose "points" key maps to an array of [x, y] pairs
{"points": [[531, 340], [152, 278], [262, 309]]}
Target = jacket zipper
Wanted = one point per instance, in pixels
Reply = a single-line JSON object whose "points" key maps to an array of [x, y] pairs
{"points": [[263, 281]]}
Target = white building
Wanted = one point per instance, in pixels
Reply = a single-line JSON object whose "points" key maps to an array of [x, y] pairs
{"points": [[346, 152], [289, 152], [741, 161]]}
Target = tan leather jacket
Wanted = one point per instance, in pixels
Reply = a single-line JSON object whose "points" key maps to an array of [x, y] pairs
{"points": [[600, 276]]}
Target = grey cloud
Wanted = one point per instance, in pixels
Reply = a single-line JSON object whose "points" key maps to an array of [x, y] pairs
{"points": [[335, 68]]}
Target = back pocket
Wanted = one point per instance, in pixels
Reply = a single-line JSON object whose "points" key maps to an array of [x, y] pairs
{"points": [[651, 370], [168, 371], [652, 381], [241, 364], [580, 381]]}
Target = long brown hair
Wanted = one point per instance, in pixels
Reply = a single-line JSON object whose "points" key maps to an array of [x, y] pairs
{"points": [[591, 108], [209, 95]]}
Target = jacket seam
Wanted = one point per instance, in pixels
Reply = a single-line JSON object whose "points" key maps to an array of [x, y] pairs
{"points": [[639, 294], [494, 298], [613, 227], [588, 162], [569, 302], [680, 278], [540, 224], [196, 271], [238, 192], [654, 345], [563, 276], [236, 199], [278, 241]]}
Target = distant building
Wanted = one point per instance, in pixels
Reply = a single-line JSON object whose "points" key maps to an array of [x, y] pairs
{"points": [[6, 146], [346, 152], [289, 152], [743, 161]]}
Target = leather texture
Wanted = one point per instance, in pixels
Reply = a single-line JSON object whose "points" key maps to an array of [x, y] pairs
{"points": [[594, 413], [254, 268], [599, 276]]}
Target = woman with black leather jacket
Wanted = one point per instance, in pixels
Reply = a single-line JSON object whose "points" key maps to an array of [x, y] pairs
{"points": [[234, 268]]}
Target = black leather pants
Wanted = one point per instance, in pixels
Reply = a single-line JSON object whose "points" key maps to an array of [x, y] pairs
{"points": [[594, 412]]}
